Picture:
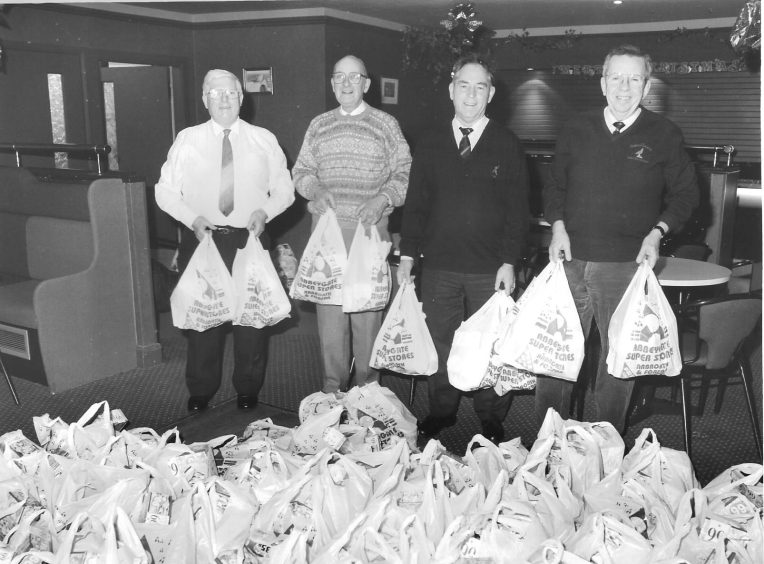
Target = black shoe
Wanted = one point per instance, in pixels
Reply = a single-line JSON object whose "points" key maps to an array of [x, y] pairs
{"points": [[197, 403], [431, 426], [246, 402], [493, 431]]}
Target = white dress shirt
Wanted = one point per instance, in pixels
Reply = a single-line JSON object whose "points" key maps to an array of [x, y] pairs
{"points": [[610, 119], [189, 185], [477, 130]]}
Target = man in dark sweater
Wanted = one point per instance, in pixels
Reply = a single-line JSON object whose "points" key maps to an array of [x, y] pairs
{"points": [[466, 214], [621, 180]]}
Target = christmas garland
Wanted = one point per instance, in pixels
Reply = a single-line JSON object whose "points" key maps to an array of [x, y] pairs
{"points": [[685, 67]]}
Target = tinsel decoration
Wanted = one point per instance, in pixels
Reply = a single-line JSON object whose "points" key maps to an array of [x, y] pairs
{"points": [[433, 49], [463, 16], [747, 31], [746, 35]]}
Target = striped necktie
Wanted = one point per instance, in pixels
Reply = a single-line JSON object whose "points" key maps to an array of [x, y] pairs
{"points": [[464, 145], [618, 127], [226, 176]]}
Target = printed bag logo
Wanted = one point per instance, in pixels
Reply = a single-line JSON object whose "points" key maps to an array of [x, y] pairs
{"points": [[260, 306], [650, 351], [396, 347], [211, 302]]}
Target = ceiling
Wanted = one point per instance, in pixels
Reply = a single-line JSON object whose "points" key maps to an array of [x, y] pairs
{"points": [[498, 15]]}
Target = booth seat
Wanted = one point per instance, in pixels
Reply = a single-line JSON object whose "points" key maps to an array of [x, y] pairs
{"points": [[75, 285]]}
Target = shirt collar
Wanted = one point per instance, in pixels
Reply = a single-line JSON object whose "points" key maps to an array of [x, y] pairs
{"points": [[217, 129], [477, 128], [359, 110], [610, 119]]}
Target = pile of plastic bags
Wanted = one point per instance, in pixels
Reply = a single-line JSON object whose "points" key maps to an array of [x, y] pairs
{"points": [[348, 485]]}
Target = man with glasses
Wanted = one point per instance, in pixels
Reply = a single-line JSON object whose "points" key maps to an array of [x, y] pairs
{"points": [[354, 160], [620, 181], [466, 214], [225, 177]]}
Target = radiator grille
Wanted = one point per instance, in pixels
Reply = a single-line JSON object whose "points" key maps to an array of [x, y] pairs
{"points": [[14, 341]]}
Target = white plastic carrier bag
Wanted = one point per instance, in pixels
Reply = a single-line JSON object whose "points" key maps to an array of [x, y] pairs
{"points": [[546, 336], [366, 285], [473, 345], [404, 343], [260, 296], [643, 337], [322, 266], [204, 296]]}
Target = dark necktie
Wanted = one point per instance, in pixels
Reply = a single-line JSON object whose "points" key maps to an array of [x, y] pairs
{"points": [[618, 127], [464, 145], [226, 176]]}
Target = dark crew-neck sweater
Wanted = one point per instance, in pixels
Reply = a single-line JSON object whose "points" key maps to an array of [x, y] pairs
{"points": [[611, 190], [467, 215]]}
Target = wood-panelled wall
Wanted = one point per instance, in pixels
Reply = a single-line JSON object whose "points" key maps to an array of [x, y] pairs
{"points": [[715, 108]]}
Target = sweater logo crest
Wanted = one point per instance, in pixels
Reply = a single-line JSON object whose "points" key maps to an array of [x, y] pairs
{"points": [[640, 152]]}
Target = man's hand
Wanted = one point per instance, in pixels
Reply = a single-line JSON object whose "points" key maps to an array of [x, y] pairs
{"points": [[559, 247], [404, 271], [201, 227], [256, 222], [323, 200], [650, 248], [370, 212], [505, 279]]}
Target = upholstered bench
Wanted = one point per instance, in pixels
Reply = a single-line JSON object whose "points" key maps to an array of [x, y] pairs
{"points": [[75, 284]]}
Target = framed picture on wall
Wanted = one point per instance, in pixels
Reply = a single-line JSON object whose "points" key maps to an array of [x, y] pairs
{"points": [[257, 80], [389, 90]]}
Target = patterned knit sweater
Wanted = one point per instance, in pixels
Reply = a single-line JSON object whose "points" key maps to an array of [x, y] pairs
{"points": [[355, 158]]}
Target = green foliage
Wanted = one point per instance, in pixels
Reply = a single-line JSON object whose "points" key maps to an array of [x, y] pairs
{"points": [[525, 41], [433, 51]]}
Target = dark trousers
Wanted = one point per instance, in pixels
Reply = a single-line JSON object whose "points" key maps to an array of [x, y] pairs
{"points": [[597, 289], [448, 298], [204, 359]]}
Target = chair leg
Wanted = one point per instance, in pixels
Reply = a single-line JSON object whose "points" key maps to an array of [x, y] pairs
{"points": [[686, 417], [720, 394], [8, 381], [705, 384], [747, 384]]}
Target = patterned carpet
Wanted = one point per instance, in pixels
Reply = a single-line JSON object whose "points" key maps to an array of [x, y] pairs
{"points": [[156, 398]]}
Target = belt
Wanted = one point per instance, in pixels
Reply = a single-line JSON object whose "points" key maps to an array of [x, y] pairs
{"points": [[227, 230]]}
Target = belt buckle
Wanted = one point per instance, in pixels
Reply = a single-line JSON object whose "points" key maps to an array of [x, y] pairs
{"points": [[222, 230]]}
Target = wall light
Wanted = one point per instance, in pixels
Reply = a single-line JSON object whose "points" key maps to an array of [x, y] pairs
{"points": [[617, 2]]}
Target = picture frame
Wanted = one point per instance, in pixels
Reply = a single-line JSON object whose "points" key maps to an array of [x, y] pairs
{"points": [[388, 88], [258, 80]]}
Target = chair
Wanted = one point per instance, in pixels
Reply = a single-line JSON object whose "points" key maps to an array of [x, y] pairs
{"points": [[746, 276], [714, 336], [692, 251]]}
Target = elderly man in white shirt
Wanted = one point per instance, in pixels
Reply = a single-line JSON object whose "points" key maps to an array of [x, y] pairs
{"points": [[226, 177]]}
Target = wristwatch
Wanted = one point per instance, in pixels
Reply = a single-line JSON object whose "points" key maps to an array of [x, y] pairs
{"points": [[659, 228]]}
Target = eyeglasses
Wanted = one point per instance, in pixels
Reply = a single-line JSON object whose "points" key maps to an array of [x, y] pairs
{"points": [[353, 77], [218, 93], [618, 78]]}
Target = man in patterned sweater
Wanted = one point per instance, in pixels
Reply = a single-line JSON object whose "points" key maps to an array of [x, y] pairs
{"points": [[467, 214], [354, 160]]}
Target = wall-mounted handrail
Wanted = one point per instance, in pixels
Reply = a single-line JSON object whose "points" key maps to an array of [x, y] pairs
{"points": [[18, 148], [545, 148]]}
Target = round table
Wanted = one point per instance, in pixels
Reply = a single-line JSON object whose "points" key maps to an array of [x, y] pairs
{"points": [[673, 271]]}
